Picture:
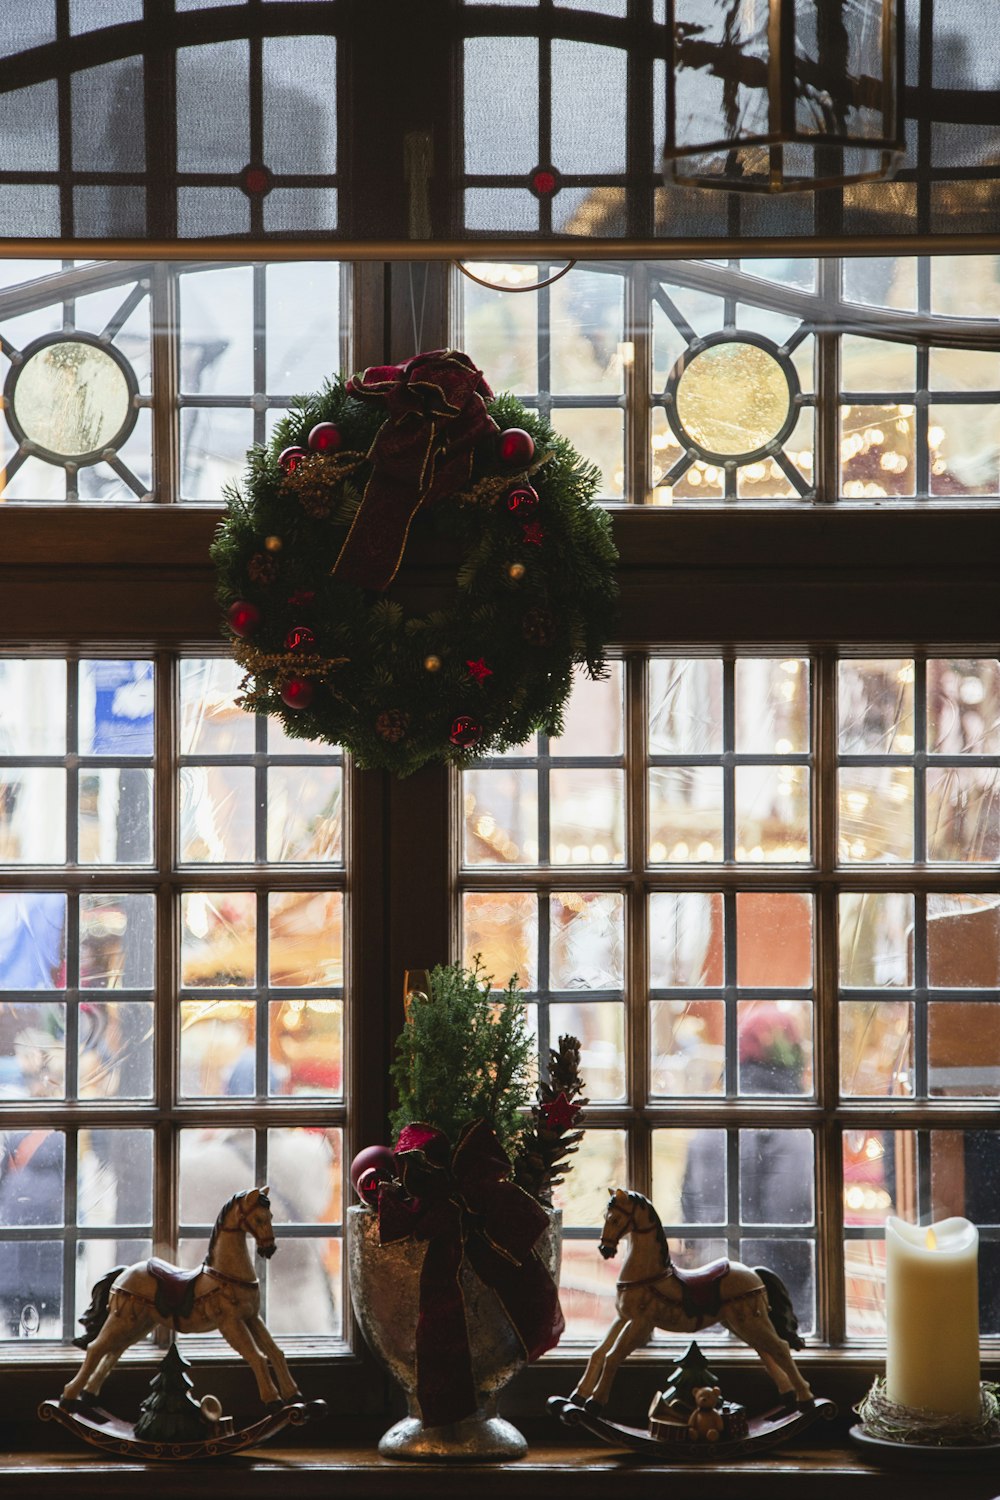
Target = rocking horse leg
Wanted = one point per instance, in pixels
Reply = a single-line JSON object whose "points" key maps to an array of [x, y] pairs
{"points": [[775, 1355], [237, 1334], [286, 1380], [118, 1333], [632, 1336], [595, 1363]]}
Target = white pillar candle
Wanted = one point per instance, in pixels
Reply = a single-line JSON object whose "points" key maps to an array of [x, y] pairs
{"points": [[932, 1316]]}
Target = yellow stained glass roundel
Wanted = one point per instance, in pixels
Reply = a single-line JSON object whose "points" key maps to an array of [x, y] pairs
{"points": [[72, 399], [733, 398]]}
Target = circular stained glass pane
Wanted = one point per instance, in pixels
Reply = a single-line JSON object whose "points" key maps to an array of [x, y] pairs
{"points": [[733, 398], [72, 399]]}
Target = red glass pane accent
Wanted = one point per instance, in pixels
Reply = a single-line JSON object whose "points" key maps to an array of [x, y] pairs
{"points": [[544, 181], [255, 181]]}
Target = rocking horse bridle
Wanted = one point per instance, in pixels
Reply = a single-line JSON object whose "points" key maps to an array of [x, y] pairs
{"points": [[243, 1226], [607, 1246]]}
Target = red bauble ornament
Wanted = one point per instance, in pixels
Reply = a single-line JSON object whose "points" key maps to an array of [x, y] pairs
{"points": [[521, 499], [300, 638], [298, 692], [515, 447], [325, 438], [367, 1186], [465, 731], [378, 1159], [290, 458], [243, 618]]}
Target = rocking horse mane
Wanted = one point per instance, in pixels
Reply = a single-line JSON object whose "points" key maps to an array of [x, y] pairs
{"points": [[661, 1239], [220, 1220]]}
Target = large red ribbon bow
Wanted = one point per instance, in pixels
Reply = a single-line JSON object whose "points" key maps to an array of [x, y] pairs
{"points": [[466, 1209], [436, 405]]}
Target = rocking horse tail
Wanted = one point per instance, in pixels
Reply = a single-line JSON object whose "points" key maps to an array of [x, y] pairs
{"points": [[786, 1324], [96, 1315]]}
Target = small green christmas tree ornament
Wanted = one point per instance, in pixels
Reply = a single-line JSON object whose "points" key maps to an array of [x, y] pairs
{"points": [[689, 1374], [170, 1414]]}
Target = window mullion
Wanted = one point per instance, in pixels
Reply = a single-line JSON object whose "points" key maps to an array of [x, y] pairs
{"points": [[164, 307], [166, 1009], [637, 384], [830, 1287], [637, 1013], [827, 461]]}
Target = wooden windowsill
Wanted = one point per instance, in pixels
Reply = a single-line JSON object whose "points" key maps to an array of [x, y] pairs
{"points": [[549, 1472]]}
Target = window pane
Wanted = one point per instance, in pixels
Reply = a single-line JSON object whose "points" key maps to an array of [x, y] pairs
{"points": [[775, 1047], [587, 941], [688, 1048], [685, 939], [772, 813], [32, 940], [685, 697], [116, 708], [32, 707], [115, 1050], [685, 814], [306, 1041], [218, 1049], [875, 938], [601, 1029], [115, 1177], [503, 928], [876, 1048], [772, 706], [587, 816], [689, 1176], [32, 816], [306, 938], [211, 724], [218, 939], [776, 1177], [774, 939], [876, 707], [501, 816], [32, 1051]]}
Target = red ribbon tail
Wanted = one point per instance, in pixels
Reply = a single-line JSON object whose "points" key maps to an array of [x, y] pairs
{"points": [[446, 1389], [529, 1296]]}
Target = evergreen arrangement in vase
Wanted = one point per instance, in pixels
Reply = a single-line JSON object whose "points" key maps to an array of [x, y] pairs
{"points": [[466, 1055]]}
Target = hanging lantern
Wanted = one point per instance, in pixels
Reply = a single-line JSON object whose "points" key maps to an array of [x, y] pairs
{"points": [[778, 96]]}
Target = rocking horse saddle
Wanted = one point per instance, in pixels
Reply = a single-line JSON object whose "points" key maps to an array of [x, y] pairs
{"points": [[701, 1292], [174, 1287]]}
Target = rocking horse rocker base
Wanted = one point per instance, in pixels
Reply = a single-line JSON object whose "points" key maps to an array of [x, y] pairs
{"points": [[768, 1430], [221, 1294], [752, 1302], [100, 1429]]}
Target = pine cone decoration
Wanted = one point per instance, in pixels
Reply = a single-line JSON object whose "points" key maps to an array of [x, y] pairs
{"points": [[262, 568], [391, 725], [554, 1132], [538, 627]]}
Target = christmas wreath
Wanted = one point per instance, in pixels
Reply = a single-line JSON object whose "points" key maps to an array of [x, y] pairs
{"points": [[307, 554]]}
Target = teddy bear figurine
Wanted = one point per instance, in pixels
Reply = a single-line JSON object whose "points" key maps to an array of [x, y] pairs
{"points": [[705, 1423]]}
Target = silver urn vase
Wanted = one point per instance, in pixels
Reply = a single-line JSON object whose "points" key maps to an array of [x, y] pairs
{"points": [[385, 1290]]}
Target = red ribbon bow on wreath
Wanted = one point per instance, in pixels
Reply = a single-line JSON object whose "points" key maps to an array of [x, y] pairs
{"points": [[436, 415], [467, 1210]]}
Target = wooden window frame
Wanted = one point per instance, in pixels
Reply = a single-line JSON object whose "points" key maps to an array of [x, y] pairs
{"points": [[806, 577]]}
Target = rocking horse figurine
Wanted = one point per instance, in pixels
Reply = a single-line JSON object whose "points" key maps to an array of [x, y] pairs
{"points": [[222, 1293], [653, 1293]]}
